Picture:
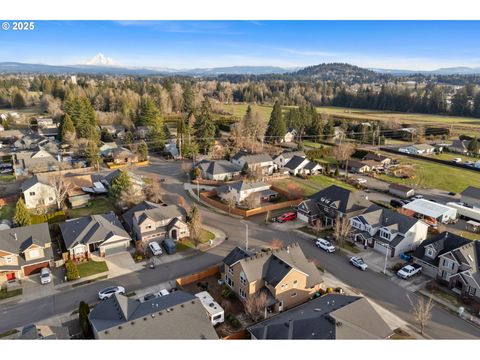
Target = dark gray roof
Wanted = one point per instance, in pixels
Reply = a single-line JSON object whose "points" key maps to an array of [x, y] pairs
{"points": [[328, 317], [400, 187], [252, 158], [288, 154], [128, 215], [356, 164], [377, 216], [160, 213], [341, 199], [44, 332], [311, 165], [179, 315], [91, 229], [222, 167], [235, 255], [441, 243], [109, 177], [375, 157], [471, 191], [294, 162], [241, 186]]}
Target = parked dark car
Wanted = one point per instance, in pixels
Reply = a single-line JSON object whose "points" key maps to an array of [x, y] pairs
{"points": [[452, 193], [396, 203], [169, 246]]}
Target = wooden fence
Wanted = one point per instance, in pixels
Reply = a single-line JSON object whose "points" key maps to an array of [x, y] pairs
{"points": [[239, 335], [207, 197], [198, 276]]}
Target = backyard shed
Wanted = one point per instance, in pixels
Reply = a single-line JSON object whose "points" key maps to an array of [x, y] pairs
{"points": [[401, 191]]}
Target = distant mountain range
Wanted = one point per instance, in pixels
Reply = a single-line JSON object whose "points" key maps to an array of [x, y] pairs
{"points": [[16, 67], [333, 71]]}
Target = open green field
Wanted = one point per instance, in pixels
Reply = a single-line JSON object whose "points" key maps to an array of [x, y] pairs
{"points": [[451, 156], [325, 181], [308, 189], [7, 211], [96, 206], [467, 124], [433, 175]]}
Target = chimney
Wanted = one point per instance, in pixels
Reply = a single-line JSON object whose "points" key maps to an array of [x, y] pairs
{"points": [[15, 236]]}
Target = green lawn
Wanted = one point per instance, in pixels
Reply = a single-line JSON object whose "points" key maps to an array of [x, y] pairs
{"points": [[89, 268], [7, 178], [7, 211], [325, 181], [187, 243], [8, 333], [4, 294], [315, 145], [438, 176], [239, 110], [451, 156], [96, 206]]}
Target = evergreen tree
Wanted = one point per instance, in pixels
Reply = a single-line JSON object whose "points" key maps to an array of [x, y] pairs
{"points": [[474, 146], [276, 128], [67, 129], [205, 127], [19, 101], [128, 138], [22, 215], [83, 311], [194, 222], [105, 136], [460, 106], [119, 184], [188, 99], [92, 153], [142, 150]]}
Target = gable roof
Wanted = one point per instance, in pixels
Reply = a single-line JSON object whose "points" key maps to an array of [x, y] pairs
{"points": [[178, 315], [17, 240], [128, 215], [221, 167], [242, 185], [295, 162], [471, 191], [288, 154], [159, 213], [112, 175], [273, 265], [252, 158], [442, 244], [342, 199], [375, 157], [331, 317], [91, 229]]}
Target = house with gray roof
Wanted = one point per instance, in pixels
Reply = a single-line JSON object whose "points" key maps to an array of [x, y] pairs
{"points": [[241, 190], [34, 162], [254, 161], [284, 275], [176, 316], [459, 146], [387, 231], [471, 196], [219, 170], [148, 221], [329, 317], [136, 181], [331, 203], [285, 156], [301, 165], [24, 251], [452, 260], [100, 234]]}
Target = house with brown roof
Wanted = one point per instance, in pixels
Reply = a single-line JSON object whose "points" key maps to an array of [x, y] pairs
{"points": [[121, 155], [285, 275]]}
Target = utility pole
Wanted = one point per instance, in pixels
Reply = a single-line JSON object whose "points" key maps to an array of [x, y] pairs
{"points": [[246, 236]]}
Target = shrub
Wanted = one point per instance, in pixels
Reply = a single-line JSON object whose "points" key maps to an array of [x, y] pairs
{"points": [[72, 270], [397, 266], [226, 292], [329, 290], [233, 321]]}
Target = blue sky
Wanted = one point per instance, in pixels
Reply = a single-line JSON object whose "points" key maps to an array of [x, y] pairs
{"points": [[417, 45]]}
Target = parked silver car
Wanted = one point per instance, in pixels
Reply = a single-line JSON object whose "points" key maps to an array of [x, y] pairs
{"points": [[110, 291], [45, 276]]}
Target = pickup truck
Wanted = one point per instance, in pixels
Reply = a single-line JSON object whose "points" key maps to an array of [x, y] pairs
{"points": [[408, 271]]}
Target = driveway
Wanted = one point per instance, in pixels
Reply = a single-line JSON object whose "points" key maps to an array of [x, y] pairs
{"points": [[33, 288], [121, 264]]}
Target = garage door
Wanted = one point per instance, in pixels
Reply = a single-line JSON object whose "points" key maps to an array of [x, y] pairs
{"points": [[32, 269], [302, 216], [114, 249]]}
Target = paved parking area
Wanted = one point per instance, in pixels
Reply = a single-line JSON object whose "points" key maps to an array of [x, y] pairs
{"points": [[33, 288], [121, 264]]}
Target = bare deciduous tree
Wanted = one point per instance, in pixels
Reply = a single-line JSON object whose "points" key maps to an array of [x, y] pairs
{"points": [[252, 201], [255, 305], [60, 188], [341, 230], [186, 168], [422, 311], [295, 191], [343, 153], [318, 227], [130, 197], [231, 202], [276, 244], [153, 191]]}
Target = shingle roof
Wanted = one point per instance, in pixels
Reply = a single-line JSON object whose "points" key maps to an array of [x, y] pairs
{"points": [[294, 162], [252, 158], [471, 191], [342, 199], [159, 213], [16, 240], [91, 229], [241, 186], [128, 215], [235, 255], [442, 243], [178, 315], [331, 317], [375, 157], [221, 167]]}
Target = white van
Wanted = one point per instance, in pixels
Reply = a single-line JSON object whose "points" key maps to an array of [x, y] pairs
{"points": [[215, 312]]}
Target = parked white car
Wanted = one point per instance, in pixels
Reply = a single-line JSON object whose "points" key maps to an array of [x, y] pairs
{"points": [[155, 248], [358, 263], [457, 160], [361, 181], [162, 292], [110, 291], [45, 276], [325, 245]]}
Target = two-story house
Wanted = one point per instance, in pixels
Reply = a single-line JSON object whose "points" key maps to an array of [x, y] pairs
{"points": [[34, 162], [38, 192], [331, 203], [289, 135], [254, 161], [24, 251], [388, 231], [285, 275], [241, 190], [300, 165], [452, 260], [102, 234], [285, 156], [148, 221]]}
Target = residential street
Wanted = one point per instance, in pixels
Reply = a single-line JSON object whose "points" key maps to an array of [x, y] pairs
{"points": [[444, 325]]}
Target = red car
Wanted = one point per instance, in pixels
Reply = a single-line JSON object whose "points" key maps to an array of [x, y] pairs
{"points": [[287, 217]]}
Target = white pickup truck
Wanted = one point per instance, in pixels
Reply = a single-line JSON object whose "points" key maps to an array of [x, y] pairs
{"points": [[409, 270]]}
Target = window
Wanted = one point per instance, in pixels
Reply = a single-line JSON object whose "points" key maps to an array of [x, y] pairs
{"points": [[430, 253], [293, 295], [242, 293], [32, 193], [149, 227], [230, 270], [471, 291], [50, 198], [295, 284], [243, 279], [385, 234], [8, 259], [35, 253]]}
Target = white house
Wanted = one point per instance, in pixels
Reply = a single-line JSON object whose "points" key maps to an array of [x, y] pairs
{"points": [[419, 149], [240, 190], [300, 165], [388, 231], [38, 192], [282, 159], [263, 161], [289, 135]]}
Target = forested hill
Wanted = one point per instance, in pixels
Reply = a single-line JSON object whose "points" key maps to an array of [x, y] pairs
{"points": [[341, 72]]}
